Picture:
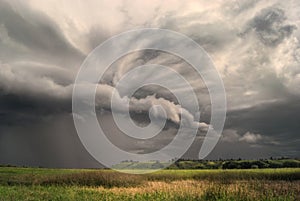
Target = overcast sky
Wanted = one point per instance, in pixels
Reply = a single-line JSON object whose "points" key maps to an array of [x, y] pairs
{"points": [[253, 44]]}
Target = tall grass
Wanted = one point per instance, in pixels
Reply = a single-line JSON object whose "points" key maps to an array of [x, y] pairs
{"points": [[158, 190], [40, 184], [109, 178], [106, 179]]}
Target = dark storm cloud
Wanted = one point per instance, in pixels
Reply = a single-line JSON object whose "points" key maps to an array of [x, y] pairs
{"points": [[278, 122], [30, 44], [254, 45], [37, 34], [269, 24]]}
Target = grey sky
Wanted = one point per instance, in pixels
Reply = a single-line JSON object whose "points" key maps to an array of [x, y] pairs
{"points": [[254, 45]]}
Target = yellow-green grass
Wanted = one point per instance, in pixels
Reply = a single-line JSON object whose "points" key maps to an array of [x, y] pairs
{"points": [[77, 184]]}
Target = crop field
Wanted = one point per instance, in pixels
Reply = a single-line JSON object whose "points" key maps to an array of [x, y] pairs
{"points": [[74, 184]]}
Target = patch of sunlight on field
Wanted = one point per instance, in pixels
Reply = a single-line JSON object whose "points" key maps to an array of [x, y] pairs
{"points": [[159, 190]]}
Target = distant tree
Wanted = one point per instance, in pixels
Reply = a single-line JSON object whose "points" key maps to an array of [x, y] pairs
{"points": [[157, 165]]}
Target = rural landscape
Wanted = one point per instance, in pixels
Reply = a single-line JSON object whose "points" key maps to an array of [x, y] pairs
{"points": [[131, 100], [216, 183]]}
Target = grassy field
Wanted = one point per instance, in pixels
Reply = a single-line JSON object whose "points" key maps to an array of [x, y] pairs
{"points": [[65, 184]]}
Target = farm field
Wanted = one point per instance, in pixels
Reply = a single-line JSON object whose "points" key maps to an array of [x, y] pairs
{"points": [[76, 184]]}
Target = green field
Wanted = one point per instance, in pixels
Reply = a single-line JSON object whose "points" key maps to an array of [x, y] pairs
{"points": [[74, 184]]}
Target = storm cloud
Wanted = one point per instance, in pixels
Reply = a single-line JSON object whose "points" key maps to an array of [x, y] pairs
{"points": [[253, 44]]}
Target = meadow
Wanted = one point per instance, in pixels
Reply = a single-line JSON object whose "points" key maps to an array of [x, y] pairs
{"points": [[84, 184]]}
